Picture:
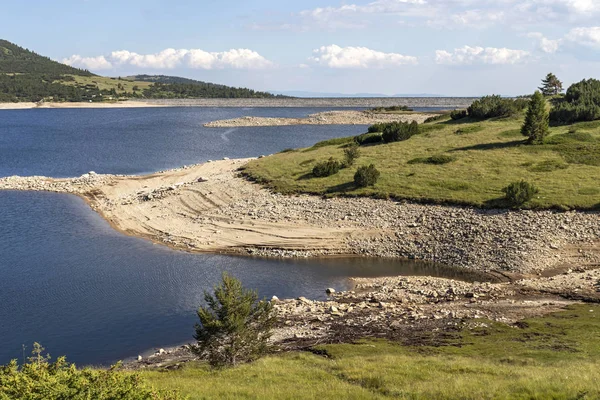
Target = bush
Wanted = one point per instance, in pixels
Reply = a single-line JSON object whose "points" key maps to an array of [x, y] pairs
{"points": [[377, 128], [438, 159], [366, 176], [536, 125], [234, 326], [435, 118], [458, 114], [350, 155], [44, 380], [581, 103], [495, 106], [399, 131], [368, 138], [392, 109], [519, 193], [326, 168]]}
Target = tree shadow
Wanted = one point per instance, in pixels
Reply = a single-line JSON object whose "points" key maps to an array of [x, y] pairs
{"points": [[341, 188], [499, 203], [491, 146], [306, 176]]}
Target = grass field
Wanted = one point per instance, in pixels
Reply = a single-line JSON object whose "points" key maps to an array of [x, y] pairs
{"points": [[554, 357], [105, 83], [480, 158]]}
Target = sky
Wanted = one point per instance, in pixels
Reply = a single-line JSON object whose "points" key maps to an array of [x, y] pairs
{"points": [[445, 47]]}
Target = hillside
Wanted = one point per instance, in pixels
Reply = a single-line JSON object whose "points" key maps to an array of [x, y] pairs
{"points": [[17, 60], [459, 162], [26, 76], [184, 88]]}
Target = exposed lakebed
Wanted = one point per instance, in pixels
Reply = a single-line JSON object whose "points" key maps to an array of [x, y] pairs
{"points": [[71, 282]]}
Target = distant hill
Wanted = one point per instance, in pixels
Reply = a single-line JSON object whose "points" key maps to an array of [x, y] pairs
{"points": [[17, 60], [29, 77], [176, 87]]}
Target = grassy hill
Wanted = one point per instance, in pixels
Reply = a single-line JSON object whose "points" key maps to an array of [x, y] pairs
{"points": [[460, 162], [28, 76]]}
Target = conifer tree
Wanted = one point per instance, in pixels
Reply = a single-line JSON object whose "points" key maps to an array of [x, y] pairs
{"points": [[536, 124], [551, 85]]}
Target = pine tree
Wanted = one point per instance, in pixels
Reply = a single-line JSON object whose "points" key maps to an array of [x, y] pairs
{"points": [[234, 326], [536, 124], [551, 86]]}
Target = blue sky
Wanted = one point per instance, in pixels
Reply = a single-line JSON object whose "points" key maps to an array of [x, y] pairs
{"points": [[451, 47]]}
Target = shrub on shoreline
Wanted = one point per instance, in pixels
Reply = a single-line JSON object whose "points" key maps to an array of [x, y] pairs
{"points": [[326, 168], [519, 193], [581, 103], [458, 114], [366, 176], [399, 131], [496, 106], [368, 138]]}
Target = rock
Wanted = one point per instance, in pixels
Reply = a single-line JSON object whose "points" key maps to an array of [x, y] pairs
{"points": [[330, 291], [304, 300], [225, 158], [139, 358], [201, 179], [274, 299], [333, 309], [161, 351]]}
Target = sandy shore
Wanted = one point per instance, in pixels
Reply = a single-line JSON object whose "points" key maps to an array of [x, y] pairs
{"points": [[120, 104], [323, 118], [208, 208]]}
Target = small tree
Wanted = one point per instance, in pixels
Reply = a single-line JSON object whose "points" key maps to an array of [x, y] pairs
{"points": [[350, 155], [519, 193], [366, 176], [234, 326], [551, 86], [326, 168], [537, 119]]}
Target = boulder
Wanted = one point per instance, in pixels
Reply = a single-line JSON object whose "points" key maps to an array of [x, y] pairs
{"points": [[330, 291]]}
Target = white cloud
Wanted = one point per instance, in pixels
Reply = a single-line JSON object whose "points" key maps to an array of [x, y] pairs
{"points": [[478, 55], [334, 56], [588, 37], [546, 45], [94, 63], [173, 58]]}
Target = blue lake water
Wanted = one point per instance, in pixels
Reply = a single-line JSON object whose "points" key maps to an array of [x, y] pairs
{"points": [[72, 283]]}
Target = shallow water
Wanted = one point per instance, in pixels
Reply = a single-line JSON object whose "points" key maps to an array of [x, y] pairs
{"points": [[72, 283]]}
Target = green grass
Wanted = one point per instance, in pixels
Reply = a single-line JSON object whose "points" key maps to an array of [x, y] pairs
{"points": [[487, 156], [105, 83], [553, 357]]}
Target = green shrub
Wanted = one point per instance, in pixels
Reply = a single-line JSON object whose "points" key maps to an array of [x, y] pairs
{"points": [[234, 326], [326, 168], [581, 103], [350, 155], [495, 106], [436, 118], [366, 176], [438, 159], [368, 138], [40, 379], [519, 193], [399, 131], [376, 128], [458, 114], [391, 109]]}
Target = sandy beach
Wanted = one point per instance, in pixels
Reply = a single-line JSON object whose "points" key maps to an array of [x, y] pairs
{"points": [[210, 208], [120, 104]]}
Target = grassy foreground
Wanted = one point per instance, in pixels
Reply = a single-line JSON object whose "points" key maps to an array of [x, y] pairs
{"points": [[482, 157], [554, 357]]}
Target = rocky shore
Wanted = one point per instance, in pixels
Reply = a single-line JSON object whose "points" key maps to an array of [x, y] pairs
{"points": [[323, 118], [209, 208], [411, 310]]}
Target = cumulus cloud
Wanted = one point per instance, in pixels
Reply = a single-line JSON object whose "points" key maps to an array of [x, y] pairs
{"points": [[588, 37], [95, 63], [546, 45], [479, 55], [173, 58], [334, 56]]}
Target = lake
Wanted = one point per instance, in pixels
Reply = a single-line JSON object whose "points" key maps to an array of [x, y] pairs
{"points": [[72, 283]]}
